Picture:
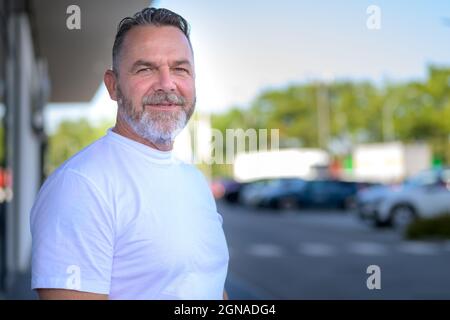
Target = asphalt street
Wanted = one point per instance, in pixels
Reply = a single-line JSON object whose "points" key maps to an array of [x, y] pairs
{"points": [[325, 255], [319, 255]]}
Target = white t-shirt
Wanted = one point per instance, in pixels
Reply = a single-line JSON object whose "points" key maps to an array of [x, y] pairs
{"points": [[123, 219]]}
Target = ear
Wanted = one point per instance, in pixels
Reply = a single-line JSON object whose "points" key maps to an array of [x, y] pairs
{"points": [[111, 80]]}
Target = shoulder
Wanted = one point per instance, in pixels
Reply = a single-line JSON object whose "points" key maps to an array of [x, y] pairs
{"points": [[92, 164], [192, 171], [82, 173], [89, 159], [196, 180], [70, 198]]}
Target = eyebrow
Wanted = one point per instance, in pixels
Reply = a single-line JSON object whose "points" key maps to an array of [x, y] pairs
{"points": [[145, 63], [142, 63], [180, 62]]}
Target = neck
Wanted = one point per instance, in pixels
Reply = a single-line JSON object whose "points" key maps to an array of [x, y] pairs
{"points": [[124, 129]]}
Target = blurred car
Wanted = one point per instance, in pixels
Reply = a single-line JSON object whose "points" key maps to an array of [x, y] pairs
{"points": [[330, 194], [252, 192], [424, 195], [368, 199], [326, 193], [227, 189], [217, 188], [280, 193], [232, 190]]}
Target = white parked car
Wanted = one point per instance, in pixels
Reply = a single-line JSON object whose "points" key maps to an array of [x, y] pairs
{"points": [[368, 200], [425, 195]]}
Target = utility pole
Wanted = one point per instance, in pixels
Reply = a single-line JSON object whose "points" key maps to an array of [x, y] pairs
{"points": [[388, 123], [323, 115]]}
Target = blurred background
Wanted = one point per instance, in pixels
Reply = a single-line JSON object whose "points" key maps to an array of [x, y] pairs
{"points": [[343, 152]]}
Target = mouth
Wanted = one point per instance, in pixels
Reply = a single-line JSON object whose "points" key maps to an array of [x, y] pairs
{"points": [[164, 107]]}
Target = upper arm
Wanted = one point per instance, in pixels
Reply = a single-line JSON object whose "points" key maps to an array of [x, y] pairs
{"points": [[62, 294], [73, 237]]}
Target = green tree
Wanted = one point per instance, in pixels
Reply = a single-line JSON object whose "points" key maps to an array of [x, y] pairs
{"points": [[359, 112]]}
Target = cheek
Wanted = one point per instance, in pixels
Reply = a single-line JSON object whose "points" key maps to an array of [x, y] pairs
{"points": [[187, 89], [136, 90]]}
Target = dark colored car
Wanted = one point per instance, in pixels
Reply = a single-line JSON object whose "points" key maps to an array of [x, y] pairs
{"points": [[280, 193], [227, 189], [232, 191], [316, 194]]}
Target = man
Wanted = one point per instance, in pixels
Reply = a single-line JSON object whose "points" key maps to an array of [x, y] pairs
{"points": [[124, 219]]}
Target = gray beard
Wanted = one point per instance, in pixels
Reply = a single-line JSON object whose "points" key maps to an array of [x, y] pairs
{"points": [[160, 128]]}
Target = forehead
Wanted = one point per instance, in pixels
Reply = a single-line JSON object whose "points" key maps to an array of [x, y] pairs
{"points": [[156, 43]]}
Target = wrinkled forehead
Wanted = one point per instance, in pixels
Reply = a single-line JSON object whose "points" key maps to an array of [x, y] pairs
{"points": [[157, 43]]}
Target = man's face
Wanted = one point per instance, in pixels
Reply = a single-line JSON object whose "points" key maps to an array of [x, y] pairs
{"points": [[155, 86]]}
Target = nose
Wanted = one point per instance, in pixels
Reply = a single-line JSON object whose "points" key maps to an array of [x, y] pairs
{"points": [[165, 81]]}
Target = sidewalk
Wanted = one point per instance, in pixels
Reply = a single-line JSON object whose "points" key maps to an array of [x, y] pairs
{"points": [[21, 289]]}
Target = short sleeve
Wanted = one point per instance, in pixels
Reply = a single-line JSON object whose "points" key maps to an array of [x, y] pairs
{"points": [[72, 231]]}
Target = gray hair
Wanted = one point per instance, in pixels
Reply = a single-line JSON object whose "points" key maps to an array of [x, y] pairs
{"points": [[147, 16]]}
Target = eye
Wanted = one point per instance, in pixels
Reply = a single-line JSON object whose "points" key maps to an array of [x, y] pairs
{"points": [[181, 70], [144, 70]]}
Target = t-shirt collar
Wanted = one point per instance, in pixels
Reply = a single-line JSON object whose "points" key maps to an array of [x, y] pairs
{"points": [[152, 153]]}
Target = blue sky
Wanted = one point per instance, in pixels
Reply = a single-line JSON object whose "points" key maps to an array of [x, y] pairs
{"points": [[243, 47]]}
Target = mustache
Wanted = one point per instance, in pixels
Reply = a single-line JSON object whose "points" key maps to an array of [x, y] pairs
{"points": [[161, 98]]}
